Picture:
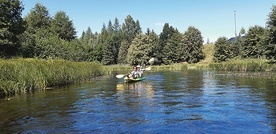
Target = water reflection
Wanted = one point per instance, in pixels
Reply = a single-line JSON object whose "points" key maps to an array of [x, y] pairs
{"points": [[139, 89], [166, 102]]}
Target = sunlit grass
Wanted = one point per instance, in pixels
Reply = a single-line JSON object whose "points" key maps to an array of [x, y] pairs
{"points": [[24, 75], [255, 65]]}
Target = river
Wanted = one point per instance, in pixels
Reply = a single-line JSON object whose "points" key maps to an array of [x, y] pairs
{"points": [[166, 102]]}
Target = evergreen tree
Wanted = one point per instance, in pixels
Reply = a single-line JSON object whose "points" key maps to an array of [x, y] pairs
{"points": [[193, 42], [63, 26], [34, 41], [270, 51], [123, 52], [171, 49], [11, 27], [128, 34], [139, 50], [88, 37], [116, 25], [222, 50], [163, 38], [252, 47], [129, 28], [110, 28], [38, 18], [138, 29]]}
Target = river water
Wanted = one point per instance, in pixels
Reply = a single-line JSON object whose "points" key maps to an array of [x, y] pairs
{"points": [[166, 102]]}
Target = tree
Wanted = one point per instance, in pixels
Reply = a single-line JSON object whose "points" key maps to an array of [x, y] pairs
{"points": [[170, 51], [193, 43], [38, 18], [38, 29], [222, 51], [163, 38], [242, 31], [270, 51], [63, 26], [139, 50], [252, 47], [116, 25], [128, 34], [11, 27]]}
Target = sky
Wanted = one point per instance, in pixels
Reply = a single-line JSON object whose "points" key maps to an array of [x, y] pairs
{"points": [[214, 18]]}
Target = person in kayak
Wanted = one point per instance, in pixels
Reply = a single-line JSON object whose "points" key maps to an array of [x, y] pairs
{"points": [[134, 73], [140, 71]]}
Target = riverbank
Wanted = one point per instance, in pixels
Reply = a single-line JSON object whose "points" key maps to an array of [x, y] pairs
{"points": [[27, 75]]}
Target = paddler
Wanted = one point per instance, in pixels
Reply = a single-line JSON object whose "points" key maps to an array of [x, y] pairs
{"points": [[134, 73]]}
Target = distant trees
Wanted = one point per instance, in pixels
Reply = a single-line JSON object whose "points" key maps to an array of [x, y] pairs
{"points": [[42, 36], [257, 42]]}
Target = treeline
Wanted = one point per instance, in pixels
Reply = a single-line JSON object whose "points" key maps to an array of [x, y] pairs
{"points": [[43, 36], [256, 43], [40, 35]]}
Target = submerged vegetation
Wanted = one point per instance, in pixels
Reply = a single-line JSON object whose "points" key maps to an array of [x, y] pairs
{"points": [[25, 75]]}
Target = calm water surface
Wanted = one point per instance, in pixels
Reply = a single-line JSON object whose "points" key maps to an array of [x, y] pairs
{"points": [[166, 102]]}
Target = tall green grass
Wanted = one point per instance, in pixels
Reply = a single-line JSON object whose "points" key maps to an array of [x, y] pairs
{"points": [[173, 67], [253, 65], [24, 75]]}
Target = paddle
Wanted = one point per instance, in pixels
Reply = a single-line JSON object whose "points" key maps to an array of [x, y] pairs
{"points": [[120, 75]]}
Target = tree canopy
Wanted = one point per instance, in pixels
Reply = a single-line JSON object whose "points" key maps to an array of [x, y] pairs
{"points": [[41, 35]]}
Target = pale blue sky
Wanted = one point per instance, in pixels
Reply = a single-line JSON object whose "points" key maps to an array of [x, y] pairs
{"points": [[214, 18]]}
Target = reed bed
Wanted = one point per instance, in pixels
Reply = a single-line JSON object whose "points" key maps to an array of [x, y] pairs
{"points": [[25, 75], [253, 65], [173, 67]]}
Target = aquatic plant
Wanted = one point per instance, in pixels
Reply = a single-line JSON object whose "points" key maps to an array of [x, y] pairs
{"points": [[255, 65], [25, 75]]}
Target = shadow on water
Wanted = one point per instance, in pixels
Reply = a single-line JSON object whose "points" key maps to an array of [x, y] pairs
{"points": [[166, 102]]}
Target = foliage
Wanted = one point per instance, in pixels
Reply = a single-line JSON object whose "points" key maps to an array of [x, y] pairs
{"points": [[163, 38], [63, 26], [139, 50], [252, 47], [25, 75], [270, 51], [170, 51], [256, 65], [11, 27], [222, 50], [193, 42]]}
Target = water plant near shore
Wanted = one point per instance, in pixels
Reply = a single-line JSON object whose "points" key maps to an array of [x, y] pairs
{"points": [[255, 65], [24, 75]]}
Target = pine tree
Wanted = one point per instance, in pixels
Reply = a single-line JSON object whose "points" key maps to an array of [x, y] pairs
{"points": [[193, 42], [128, 34], [11, 27], [170, 51], [270, 51], [63, 26], [36, 39], [252, 47], [222, 51], [163, 38]]}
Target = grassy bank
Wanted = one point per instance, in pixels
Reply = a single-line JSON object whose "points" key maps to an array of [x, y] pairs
{"points": [[24, 75], [252, 65]]}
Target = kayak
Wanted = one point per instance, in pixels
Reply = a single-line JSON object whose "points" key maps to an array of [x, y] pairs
{"points": [[130, 79]]}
